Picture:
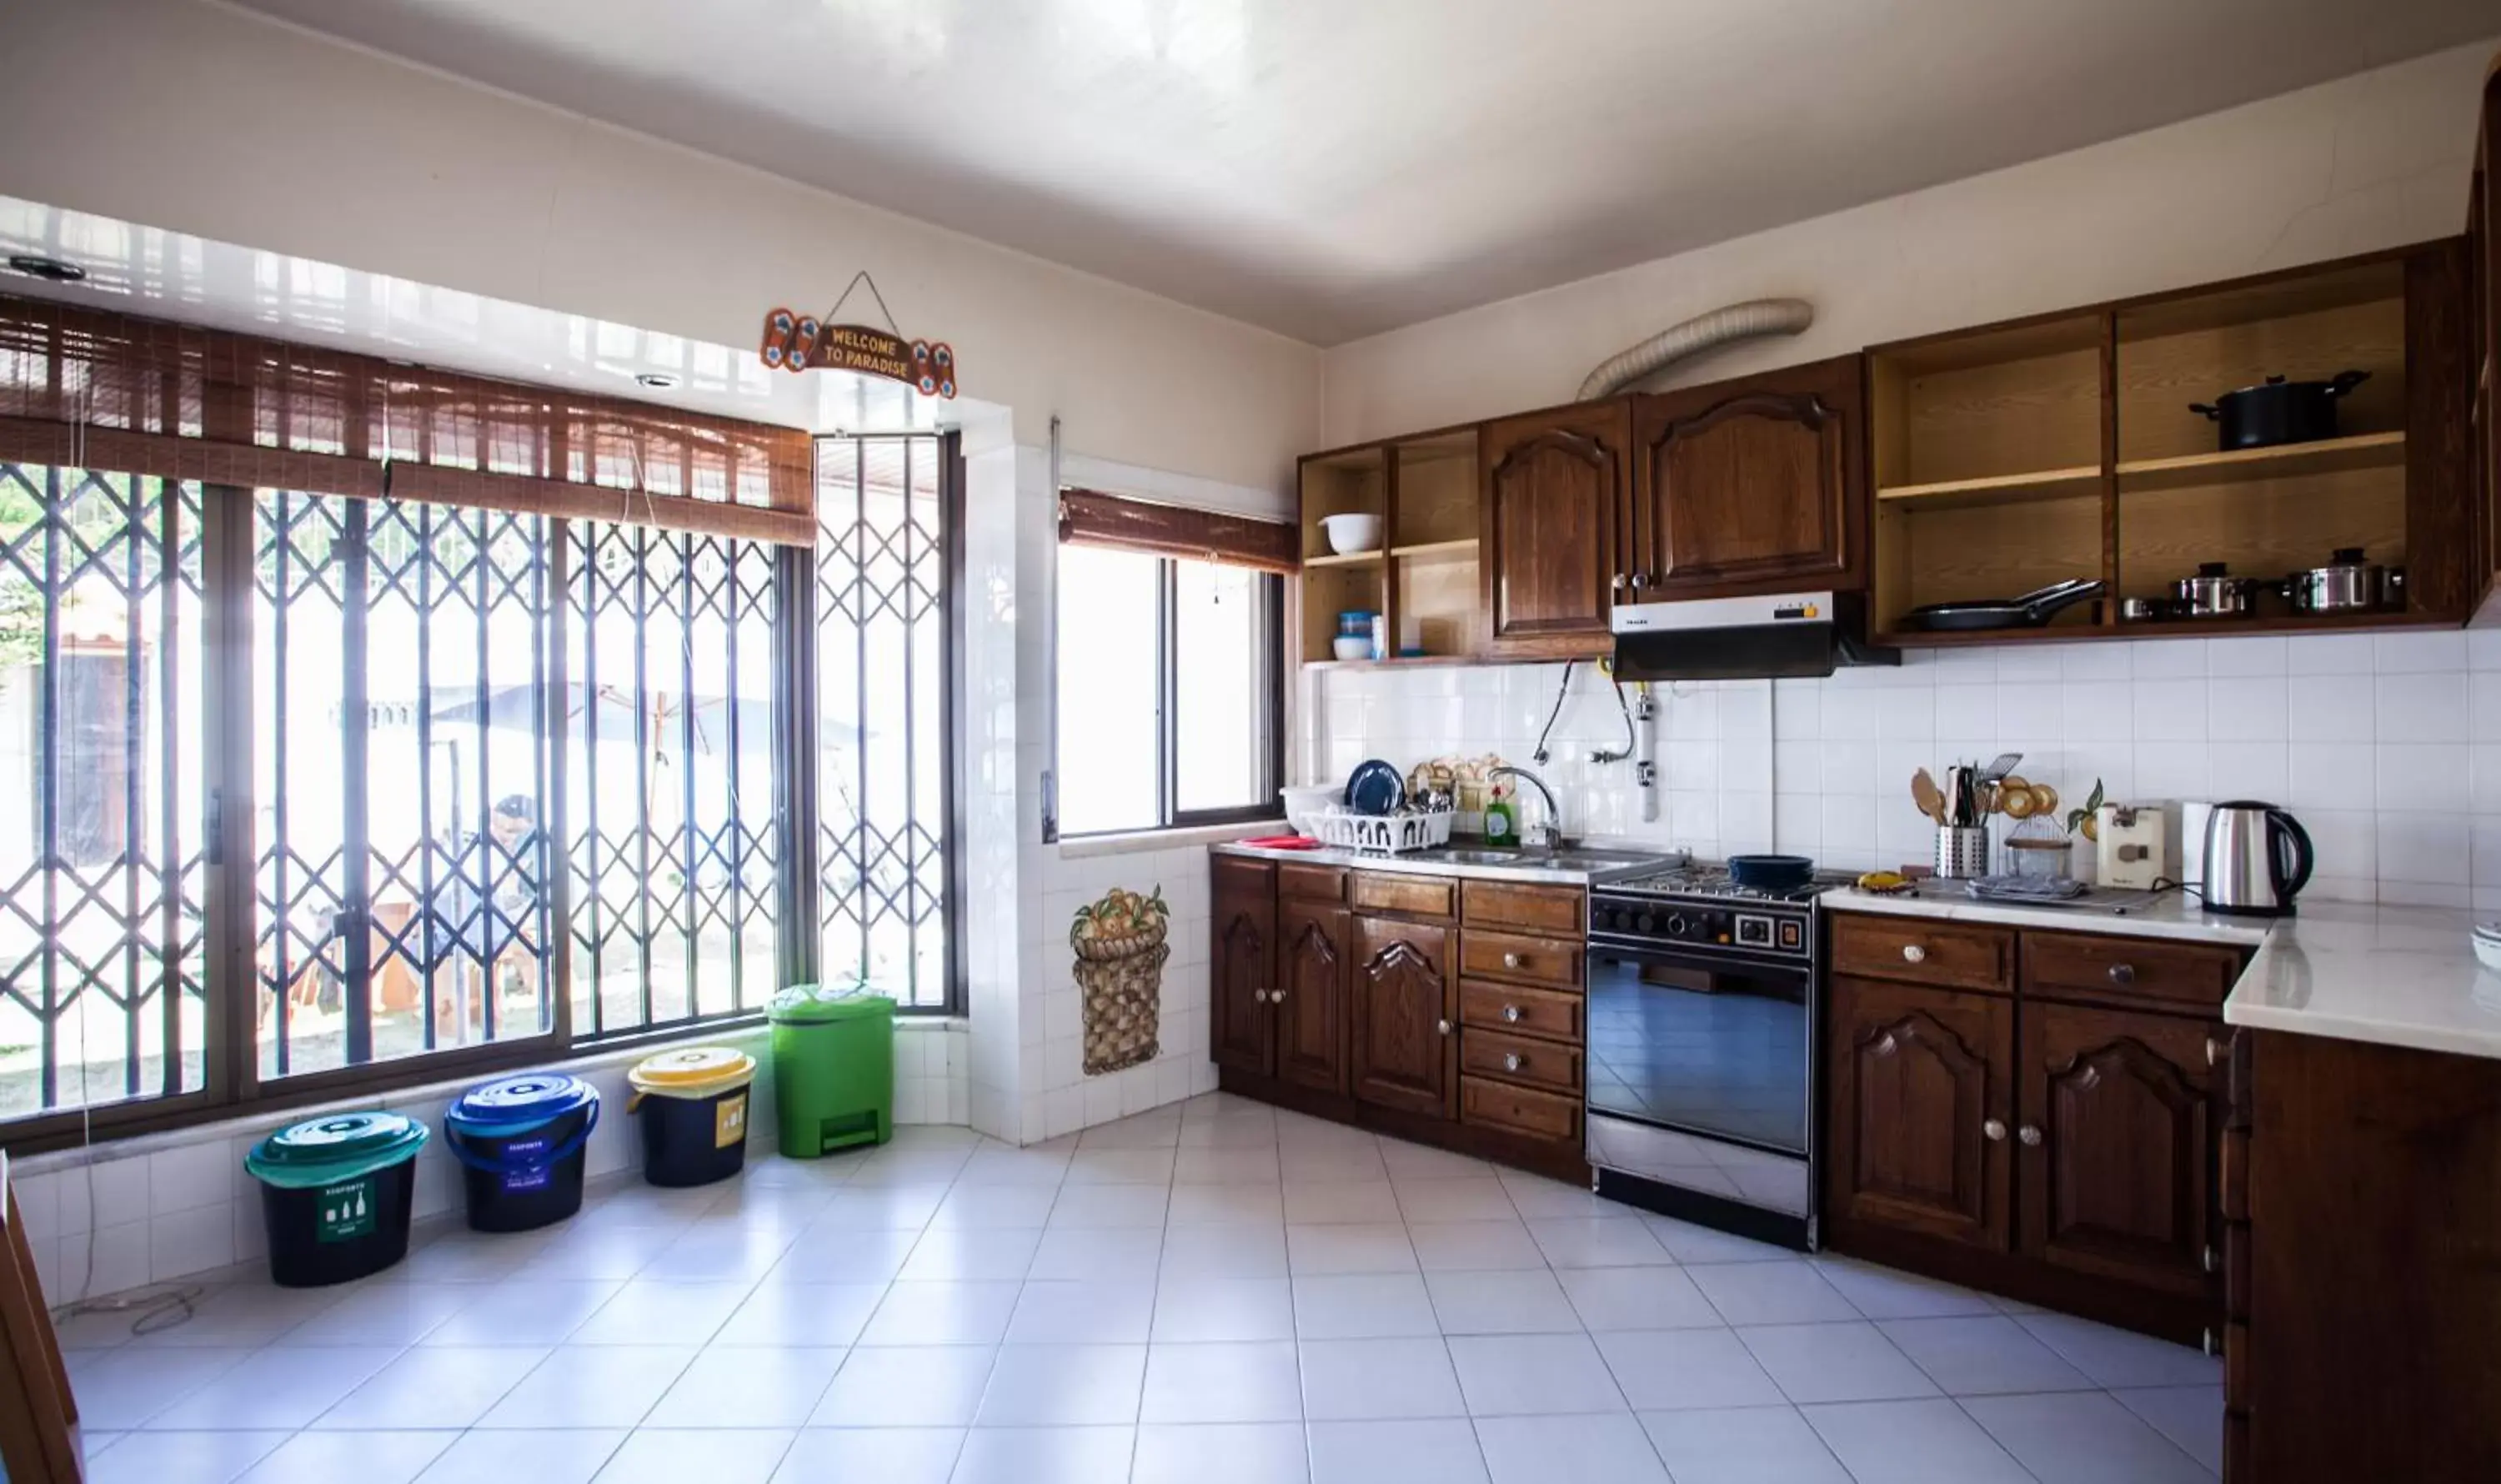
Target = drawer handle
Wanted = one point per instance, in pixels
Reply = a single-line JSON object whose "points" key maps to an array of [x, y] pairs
{"points": [[1888, 1046], [1994, 1131], [1913, 953], [1511, 1013], [1511, 1061], [1511, 961], [2030, 1135], [1444, 1027], [2122, 973]]}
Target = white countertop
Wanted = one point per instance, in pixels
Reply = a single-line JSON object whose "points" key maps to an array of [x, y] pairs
{"points": [[2396, 976]]}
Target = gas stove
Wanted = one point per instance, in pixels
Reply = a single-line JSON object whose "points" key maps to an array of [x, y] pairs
{"points": [[1696, 906]]}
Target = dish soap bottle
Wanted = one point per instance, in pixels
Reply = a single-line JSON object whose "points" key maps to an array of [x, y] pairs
{"points": [[1500, 828]]}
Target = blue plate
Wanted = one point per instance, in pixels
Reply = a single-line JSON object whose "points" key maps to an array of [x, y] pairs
{"points": [[1375, 788]]}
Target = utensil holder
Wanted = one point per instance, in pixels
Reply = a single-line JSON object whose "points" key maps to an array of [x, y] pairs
{"points": [[1962, 851]]}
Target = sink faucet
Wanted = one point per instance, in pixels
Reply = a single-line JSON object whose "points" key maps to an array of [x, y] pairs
{"points": [[1549, 834]]}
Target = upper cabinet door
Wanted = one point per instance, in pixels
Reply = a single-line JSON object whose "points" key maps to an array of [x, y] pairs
{"points": [[1751, 486], [1553, 498]]}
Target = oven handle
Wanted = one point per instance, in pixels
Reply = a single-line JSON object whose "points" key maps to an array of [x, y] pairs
{"points": [[1705, 962]]}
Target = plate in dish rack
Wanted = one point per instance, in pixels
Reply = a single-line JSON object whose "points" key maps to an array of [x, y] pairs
{"points": [[1375, 788]]}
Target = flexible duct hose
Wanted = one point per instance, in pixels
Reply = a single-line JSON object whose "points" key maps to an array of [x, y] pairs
{"points": [[1702, 332]]}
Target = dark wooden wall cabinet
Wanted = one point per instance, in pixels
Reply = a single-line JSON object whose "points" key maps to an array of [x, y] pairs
{"points": [[1443, 1011], [2034, 1113]]}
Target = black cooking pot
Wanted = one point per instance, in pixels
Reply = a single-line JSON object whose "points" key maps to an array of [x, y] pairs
{"points": [[1771, 873], [2279, 412]]}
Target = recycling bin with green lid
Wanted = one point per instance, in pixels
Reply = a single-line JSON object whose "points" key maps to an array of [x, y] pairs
{"points": [[335, 1194], [833, 1067]]}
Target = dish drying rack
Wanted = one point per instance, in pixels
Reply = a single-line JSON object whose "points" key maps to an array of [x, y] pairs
{"points": [[1383, 834]]}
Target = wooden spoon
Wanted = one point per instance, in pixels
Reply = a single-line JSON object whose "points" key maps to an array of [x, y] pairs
{"points": [[1925, 794]]}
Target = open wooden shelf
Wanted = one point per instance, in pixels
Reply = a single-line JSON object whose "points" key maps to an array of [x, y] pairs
{"points": [[2040, 482], [1344, 560], [1464, 547], [2360, 450], [1405, 662]]}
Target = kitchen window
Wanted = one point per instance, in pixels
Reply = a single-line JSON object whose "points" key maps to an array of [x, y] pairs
{"points": [[1169, 653]]}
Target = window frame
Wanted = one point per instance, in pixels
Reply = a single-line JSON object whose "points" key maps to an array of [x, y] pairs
{"points": [[1169, 815], [231, 1086]]}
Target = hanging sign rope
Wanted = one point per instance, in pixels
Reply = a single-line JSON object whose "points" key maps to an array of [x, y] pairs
{"points": [[801, 342]]}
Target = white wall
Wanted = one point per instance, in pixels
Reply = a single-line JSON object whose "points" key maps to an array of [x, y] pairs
{"points": [[197, 117], [2369, 161], [2387, 748]]}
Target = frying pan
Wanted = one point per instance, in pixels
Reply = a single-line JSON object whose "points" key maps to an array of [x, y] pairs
{"points": [[1770, 873], [2031, 611]]}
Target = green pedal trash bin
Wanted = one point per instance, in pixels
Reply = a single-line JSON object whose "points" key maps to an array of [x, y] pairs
{"points": [[833, 1067]]}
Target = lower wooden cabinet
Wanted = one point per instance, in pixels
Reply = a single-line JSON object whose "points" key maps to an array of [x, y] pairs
{"points": [[1310, 1000], [1340, 992], [1242, 936], [2063, 1150], [1405, 1052], [1920, 1086], [2117, 1144]]}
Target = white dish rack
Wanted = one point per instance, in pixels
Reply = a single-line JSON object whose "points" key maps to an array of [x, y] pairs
{"points": [[1382, 834]]}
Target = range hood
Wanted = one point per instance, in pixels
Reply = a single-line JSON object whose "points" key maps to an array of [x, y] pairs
{"points": [[1787, 636]]}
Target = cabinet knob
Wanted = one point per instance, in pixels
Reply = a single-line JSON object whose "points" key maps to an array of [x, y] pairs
{"points": [[1511, 1013], [1913, 953], [1994, 1131], [1511, 961], [2122, 973], [1640, 580], [2211, 1260], [1261, 996], [1888, 1046], [2029, 1135], [1619, 583], [2214, 1051], [1511, 1061], [1444, 1027]]}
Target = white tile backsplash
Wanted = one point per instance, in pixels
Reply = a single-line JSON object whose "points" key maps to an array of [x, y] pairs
{"points": [[2388, 746]]}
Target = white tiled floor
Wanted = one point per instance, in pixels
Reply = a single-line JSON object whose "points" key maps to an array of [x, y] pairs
{"points": [[1212, 1292]]}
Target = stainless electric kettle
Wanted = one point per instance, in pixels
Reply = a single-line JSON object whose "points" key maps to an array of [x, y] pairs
{"points": [[2257, 859]]}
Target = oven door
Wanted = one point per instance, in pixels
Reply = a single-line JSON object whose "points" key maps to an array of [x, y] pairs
{"points": [[1701, 1073]]}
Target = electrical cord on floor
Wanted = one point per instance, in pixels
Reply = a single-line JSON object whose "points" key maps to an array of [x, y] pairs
{"points": [[157, 1311], [1542, 757]]}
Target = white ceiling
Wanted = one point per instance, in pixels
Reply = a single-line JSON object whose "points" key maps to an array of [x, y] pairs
{"points": [[1333, 168], [143, 270]]}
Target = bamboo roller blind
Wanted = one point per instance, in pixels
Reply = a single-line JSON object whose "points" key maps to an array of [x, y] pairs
{"points": [[1089, 517], [108, 391]]}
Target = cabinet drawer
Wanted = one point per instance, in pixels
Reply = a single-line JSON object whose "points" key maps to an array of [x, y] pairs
{"points": [[1510, 956], [1520, 1059], [1956, 955], [1312, 883], [2103, 966], [1509, 1008], [1509, 905], [1519, 1110], [1414, 896]]}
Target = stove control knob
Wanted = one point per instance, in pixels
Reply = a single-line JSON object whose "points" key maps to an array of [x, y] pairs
{"points": [[1644, 923], [1677, 925]]}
